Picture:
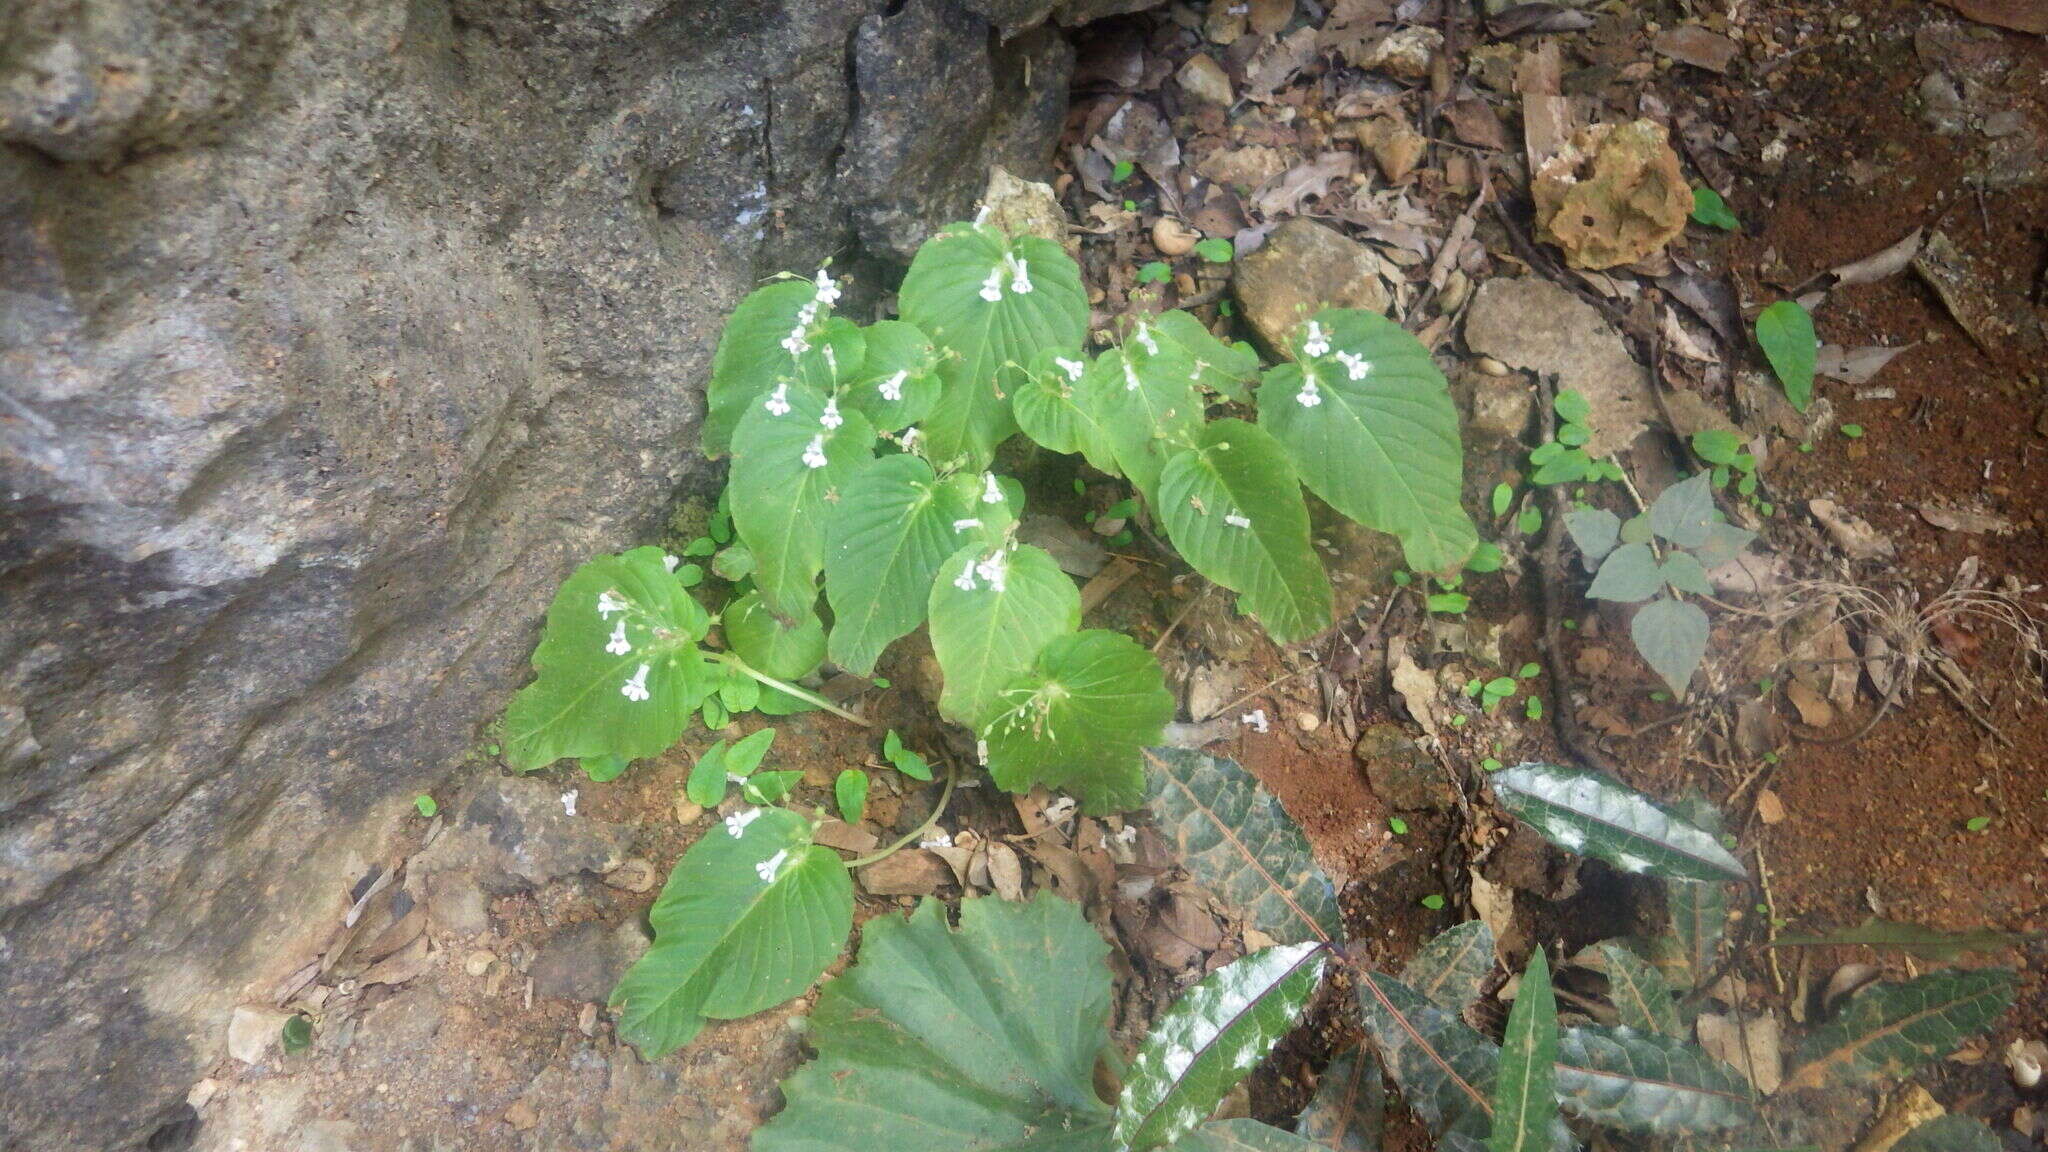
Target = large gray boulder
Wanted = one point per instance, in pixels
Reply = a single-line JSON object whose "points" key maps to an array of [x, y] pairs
{"points": [[332, 334]]}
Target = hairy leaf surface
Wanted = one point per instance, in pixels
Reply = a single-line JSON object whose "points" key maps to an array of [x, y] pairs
{"points": [[1078, 720], [620, 671], [791, 462], [992, 611], [1235, 840], [1593, 815], [1211, 1038]]}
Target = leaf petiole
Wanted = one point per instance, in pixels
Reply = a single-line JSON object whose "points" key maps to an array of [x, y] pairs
{"points": [[938, 810], [807, 697]]}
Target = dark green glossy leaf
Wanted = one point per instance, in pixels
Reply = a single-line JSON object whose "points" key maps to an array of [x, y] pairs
{"points": [[1211, 1038], [1785, 332], [1242, 1136], [1349, 1108], [1646, 1083], [980, 1038], [1524, 1092], [1892, 1029], [1593, 815], [1444, 1069], [1453, 967], [1235, 840], [1950, 1133], [1641, 997]]}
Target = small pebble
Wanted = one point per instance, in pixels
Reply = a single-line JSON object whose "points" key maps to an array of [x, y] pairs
{"points": [[1307, 721], [687, 813], [1491, 367], [478, 962]]}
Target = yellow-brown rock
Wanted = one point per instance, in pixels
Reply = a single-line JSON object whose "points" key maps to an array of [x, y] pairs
{"points": [[1614, 195]]}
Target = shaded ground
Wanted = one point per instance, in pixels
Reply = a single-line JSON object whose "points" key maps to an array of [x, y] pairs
{"points": [[492, 1041]]}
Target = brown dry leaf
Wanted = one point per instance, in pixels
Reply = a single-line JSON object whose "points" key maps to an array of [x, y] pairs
{"points": [[1851, 533], [1911, 1107], [1165, 951], [2029, 16], [1473, 121], [1417, 689], [1753, 1046], [911, 872], [1284, 197], [1968, 520], [1185, 918], [1769, 808], [845, 837], [1546, 114], [1495, 905], [1524, 19], [1277, 63], [399, 967], [957, 858], [1697, 46], [1605, 720], [1814, 710], [1005, 871], [1968, 290], [1854, 366], [1876, 266], [1251, 166]]}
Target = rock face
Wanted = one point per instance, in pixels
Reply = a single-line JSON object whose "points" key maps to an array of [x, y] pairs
{"points": [[1304, 267], [331, 336]]}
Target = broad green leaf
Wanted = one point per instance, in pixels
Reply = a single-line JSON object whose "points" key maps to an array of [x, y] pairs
{"points": [[706, 785], [1785, 332], [1148, 412], [850, 789], [1242, 1136], [1524, 1098], [1582, 811], [1716, 445], [1444, 1069], [769, 333], [1369, 421], [1572, 406], [794, 452], [903, 759], [733, 564], [1672, 637], [1056, 413], [1629, 575], [992, 611], [1184, 346], [1724, 543], [1233, 508], [1078, 720], [1594, 530], [1891, 1029], [1211, 1038], [1647, 1083], [751, 915], [786, 651], [894, 525], [1950, 1133], [980, 1038], [1235, 840], [618, 663], [1685, 511], [1641, 997], [992, 302], [898, 380], [1684, 573], [1636, 530], [1453, 966], [1708, 208], [747, 753], [1916, 939], [296, 1035], [1349, 1108], [770, 787]]}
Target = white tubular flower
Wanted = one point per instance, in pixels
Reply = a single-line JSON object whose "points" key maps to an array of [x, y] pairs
{"points": [[777, 403], [831, 418], [892, 388], [828, 290], [670, 562], [1310, 395], [1144, 338], [1073, 368], [1355, 366], [1020, 275], [1130, 376], [991, 492], [814, 452], [1256, 720], [992, 288], [1316, 344], [1236, 520], [636, 688], [736, 823], [767, 869], [909, 438], [981, 752], [964, 525], [965, 580], [608, 602], [991, 569], [618, 645]]}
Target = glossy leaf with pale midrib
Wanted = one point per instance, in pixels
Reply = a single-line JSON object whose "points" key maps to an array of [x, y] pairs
{"points": [[1452, 967], [1647, 1083], [1211, 1038], [1235, 840], [1524, 1097], [1588, 813], [1349, 1108], [1892, 1029], [1641, 997]]}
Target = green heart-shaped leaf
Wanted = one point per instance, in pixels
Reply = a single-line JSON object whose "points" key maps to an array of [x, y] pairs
{"points": [[1078, 719], [784, 650], [1672, 637], [794, 452], [898, 380], [1785, 332], [992, 611], [1054, 410]]}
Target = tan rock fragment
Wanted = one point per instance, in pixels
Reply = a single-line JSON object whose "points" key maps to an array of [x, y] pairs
{"points": [[1614, 195]]}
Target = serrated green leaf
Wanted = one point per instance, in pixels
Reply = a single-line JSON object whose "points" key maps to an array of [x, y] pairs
{"points": [[921, 1044], [618, 663], [1647, 1083], [751, 915], [752, 355], [1183, 346], [1453, 966], [1892, 1029], [1211, 1038], [1684, 512], [1148, 412], [1349, 1108], [1077, 721], [1628, 575], [1950, 1133], [1672, 637], [1242, 1136], [784, 650], [1916, 939], [789, 458], [850, 789], [1038, 304], [1641, 997], [1235, 840], [1233, 508], [1594, 530], [897, 383], [903, 759], [992, 611], [1369, 421], [1524, 1097], [1683, 572], [1056, 413], [895, 523], [1785, 332], [1593, 815]]}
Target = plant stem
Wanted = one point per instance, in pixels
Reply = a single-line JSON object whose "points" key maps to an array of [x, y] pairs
{"points": [[807, 697], [938, 810]]}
